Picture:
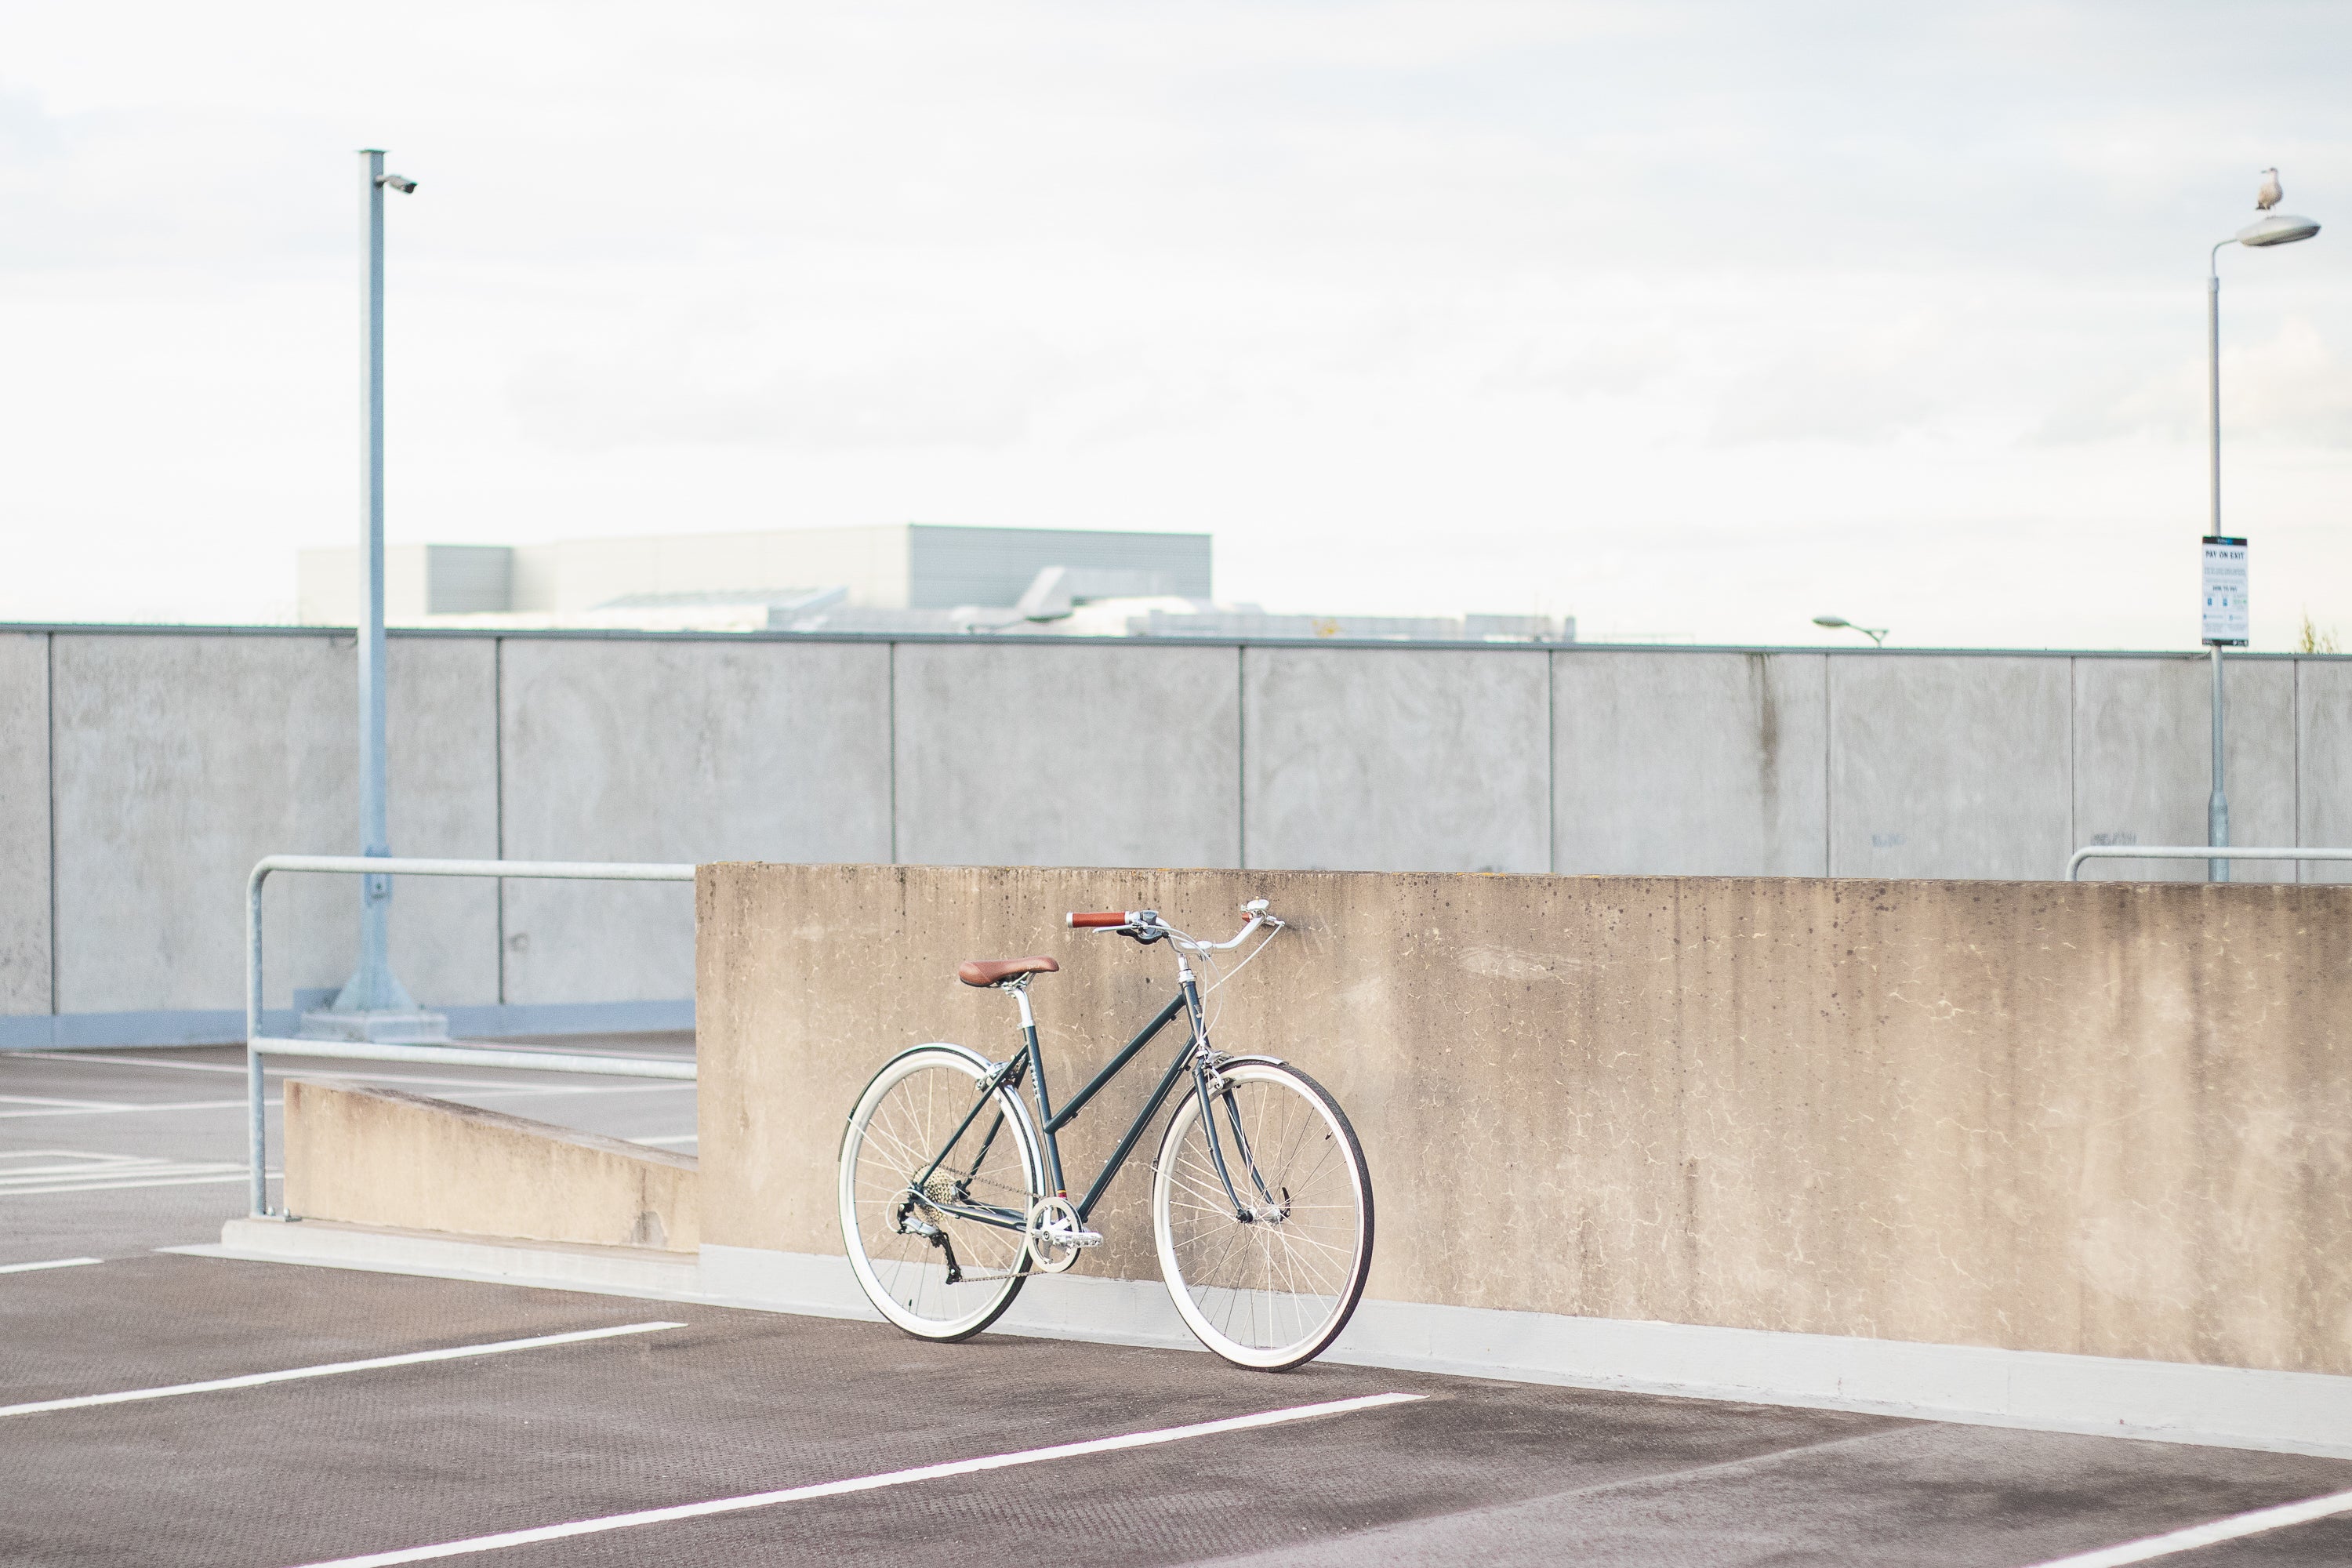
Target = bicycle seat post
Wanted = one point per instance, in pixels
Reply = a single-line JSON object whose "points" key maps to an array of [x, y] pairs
{"points": [[1019, 987]]}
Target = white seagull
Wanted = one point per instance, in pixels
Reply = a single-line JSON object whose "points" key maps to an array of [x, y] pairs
{"points": [[2268, 196]]}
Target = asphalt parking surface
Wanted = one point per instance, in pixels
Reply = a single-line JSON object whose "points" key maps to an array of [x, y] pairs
{"points": [[732, 1403]]}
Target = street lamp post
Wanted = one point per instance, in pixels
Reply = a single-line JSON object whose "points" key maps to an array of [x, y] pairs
{"points": [[373, 1005], [2271, 228]]}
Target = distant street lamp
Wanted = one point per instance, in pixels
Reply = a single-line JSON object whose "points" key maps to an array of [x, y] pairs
{"points": [[2271, 228], [1878, 635], [373, 1005]]}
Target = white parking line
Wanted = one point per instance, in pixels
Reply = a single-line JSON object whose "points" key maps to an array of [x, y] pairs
{"points": [[2197, 1535], [395, 1074], [77, 1170], [52, 1263], [74, 1104], [254, 1380], [128, 1185], [500, 1091], [865, 1483], [130, 1109], [82, 1059]]}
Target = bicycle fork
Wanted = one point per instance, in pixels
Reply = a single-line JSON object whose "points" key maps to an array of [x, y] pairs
{"points": [[1213, 1089]]}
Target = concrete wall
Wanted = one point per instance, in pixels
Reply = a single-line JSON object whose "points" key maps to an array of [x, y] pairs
{"points": [[23, 824], [376, 1156], [2323, 746], [1407, 760], [1704, 763], [180, 757], [1121, 753], [180, 760], [2103, 1120], [681, 750]]}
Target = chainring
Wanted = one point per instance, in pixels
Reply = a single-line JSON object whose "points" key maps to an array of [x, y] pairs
{"points": [[1047, 1256]]}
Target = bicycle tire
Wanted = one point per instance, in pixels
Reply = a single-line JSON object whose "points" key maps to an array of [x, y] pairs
{"points": [[1238, 1284], [899, 1125]]}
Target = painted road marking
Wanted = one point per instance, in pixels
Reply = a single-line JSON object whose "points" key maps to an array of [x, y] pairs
{"points": [[82, 1059], [254, 1380], [477, 1093], [75, 1104], [866, 1483], [73, 1171], [128, 1187], [392, 1074], [52, 1263], [2197, 1535], [128, 1109]]}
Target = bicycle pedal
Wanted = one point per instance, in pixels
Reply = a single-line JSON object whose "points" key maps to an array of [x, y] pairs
{"points": [[1081, 1239]]}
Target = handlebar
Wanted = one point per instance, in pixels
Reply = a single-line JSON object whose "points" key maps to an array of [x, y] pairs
{"points": [[1146, 926]]}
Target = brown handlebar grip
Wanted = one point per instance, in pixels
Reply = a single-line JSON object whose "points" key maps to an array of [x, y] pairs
{"points": [[1081, 922]]}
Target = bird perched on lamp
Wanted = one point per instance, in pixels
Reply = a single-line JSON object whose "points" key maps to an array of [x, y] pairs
{"points": [[2268, 196]]}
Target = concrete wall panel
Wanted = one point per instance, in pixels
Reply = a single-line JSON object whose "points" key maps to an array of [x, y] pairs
{"points": [[2323, 699], [180, 760], [2101, 1120], [689, 751], [24, 824], [1955, 767], [1373, 759], [2144, 761], [1693, 764], [1087, 754]]}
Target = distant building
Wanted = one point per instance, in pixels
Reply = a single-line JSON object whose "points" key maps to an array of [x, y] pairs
{"points": [[895, 578], [898, 567]]}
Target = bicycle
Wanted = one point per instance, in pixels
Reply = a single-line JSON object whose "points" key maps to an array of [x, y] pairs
{"points": [[952, 1195]]}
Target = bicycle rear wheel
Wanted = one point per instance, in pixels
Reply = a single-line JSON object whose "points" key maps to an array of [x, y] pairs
{"points": [[934, 1254], [1272, 1285]]}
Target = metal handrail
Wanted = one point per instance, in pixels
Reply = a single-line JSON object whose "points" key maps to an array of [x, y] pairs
{"points": [[258, 1045], [2190, 852]]}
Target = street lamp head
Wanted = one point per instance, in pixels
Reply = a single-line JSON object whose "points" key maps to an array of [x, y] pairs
{"points": [[2276, 229], [1878, 635], [403, 185]]}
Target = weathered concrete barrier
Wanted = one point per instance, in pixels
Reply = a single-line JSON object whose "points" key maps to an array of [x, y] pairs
{"points": [[379, 1157], [2098, 1119]]}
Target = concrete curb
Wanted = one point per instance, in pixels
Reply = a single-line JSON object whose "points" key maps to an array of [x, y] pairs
{"points": [[2232, 1407]]}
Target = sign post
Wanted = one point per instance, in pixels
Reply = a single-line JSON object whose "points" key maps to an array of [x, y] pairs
{"points": [[2226, 625]]}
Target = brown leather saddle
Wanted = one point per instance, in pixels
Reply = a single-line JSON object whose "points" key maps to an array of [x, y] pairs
{"points": [[997, 971]]}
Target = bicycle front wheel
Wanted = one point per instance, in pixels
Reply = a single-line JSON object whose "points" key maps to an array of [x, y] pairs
{"points": [[935, 1196], [1268, 1260]]}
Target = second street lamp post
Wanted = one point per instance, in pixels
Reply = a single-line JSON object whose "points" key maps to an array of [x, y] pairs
{"points": [[2228, 629]]}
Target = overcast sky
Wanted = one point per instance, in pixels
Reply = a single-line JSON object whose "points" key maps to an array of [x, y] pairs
{"points": [[1687, 319]]}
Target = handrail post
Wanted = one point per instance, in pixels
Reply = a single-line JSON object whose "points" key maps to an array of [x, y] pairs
{"points": [[257, 1112]]}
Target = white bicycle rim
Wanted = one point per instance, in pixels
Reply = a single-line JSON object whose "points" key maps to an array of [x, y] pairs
{"points": [[908, 1284], [1268, 1296]]}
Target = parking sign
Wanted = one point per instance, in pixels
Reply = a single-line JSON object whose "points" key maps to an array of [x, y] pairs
{"points": [[2225, 592]]}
